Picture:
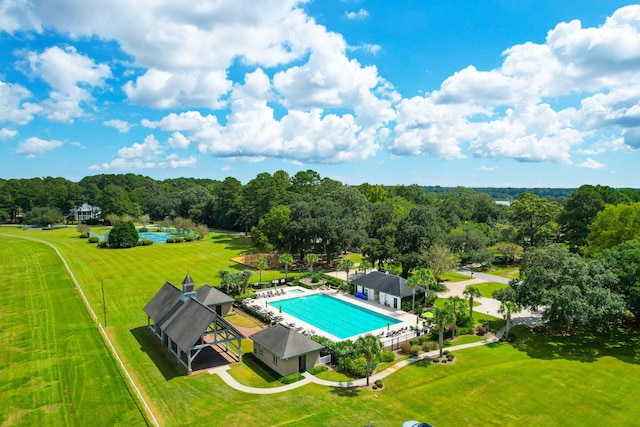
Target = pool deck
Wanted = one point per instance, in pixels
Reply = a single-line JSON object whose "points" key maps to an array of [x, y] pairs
{"points": [[407, 320]]}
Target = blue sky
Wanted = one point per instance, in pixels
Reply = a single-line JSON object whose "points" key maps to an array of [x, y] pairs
{"points": [[496, 93]]}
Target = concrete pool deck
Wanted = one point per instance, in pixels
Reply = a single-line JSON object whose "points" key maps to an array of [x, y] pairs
{"points": [[406, 320]]}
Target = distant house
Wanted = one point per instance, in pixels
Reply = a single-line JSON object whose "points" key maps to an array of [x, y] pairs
{"points": [[86, 212], [187, 321], [285, 350], [387, 289]]}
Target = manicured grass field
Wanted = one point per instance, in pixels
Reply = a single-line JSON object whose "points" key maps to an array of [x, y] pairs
{"points": [[508, 272], [533, 383], [487, 289], [54, 367], [451, 276]]}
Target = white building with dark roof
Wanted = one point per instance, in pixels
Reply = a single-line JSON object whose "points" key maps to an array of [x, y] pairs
{"points": [[387, 289]]}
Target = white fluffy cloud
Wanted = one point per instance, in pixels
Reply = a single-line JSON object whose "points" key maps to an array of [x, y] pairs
{"points": [[34, 146], [13, 105], [120, 125], [591, 164], [149, 149], [7, 133], [71, 76], [357, 15], [507, 112]]}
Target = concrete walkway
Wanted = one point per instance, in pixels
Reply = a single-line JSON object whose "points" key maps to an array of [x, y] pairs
{"points": [[221, 371]]}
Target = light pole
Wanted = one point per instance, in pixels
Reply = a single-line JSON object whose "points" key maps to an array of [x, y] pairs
{"points": [[104, 304]]}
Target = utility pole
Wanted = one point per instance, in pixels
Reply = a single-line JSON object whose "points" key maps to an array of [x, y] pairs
{"points": [[104, 304]]}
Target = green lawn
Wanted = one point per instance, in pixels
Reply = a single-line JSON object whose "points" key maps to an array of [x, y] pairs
{"points": [[451, 276], [533, 383], [508, 272], [54, 367], [487, 289]]}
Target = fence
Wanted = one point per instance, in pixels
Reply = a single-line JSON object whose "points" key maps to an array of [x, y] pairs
{"points": [[325, 360], [103, 333], [393, 343]]}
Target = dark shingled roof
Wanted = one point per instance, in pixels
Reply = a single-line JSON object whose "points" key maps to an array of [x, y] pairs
{"points": [[162, 303], [285, 342], [188, 323], [387, 283], [209, 296]]}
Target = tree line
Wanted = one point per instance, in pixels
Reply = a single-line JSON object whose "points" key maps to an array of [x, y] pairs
{"points": [[581, 253]]}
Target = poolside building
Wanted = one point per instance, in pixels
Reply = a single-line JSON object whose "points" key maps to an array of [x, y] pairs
{"points": [[285, 350], [189, 323], [388, 289]]}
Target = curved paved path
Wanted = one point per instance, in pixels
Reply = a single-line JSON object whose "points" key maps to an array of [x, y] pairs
{"points": [[309, 378]]}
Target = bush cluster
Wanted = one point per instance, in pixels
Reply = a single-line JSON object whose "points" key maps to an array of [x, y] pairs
{"points": [[188, 238], [145, 242], [387, 356], [175, 240], [93, 239], [317, 369], [289, 379], [354, 365], [84, 235]]}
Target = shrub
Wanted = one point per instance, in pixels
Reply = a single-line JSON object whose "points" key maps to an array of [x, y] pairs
{"points": [[429, 346], [405, 348], [378, 383], [84, 235], [123, 235], [145, 242], [316, 278], [354, 365], [289, 379], [466, 331], [415, 350], [375, 387], [445, 352], [414, 341], [188, 238], [175, 240], [103, 244], [144, 229], [318, 369], [93, 239], [387, 356], [449, 357]]}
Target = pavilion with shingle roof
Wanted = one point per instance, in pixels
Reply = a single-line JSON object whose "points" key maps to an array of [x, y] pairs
{"points": [[186, 325]]}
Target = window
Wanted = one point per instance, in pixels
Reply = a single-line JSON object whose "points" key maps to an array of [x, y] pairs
{"points": [[275, 359], [260, 349], [395, 303]]}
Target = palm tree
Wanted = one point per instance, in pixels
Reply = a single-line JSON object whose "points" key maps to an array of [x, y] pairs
{"points": [[234, 281], [370, 347], [286, 260], [261, 263], [442, 319], [471, 292], [425, 278], [246, 275], [345, 265], [506, 309], [223, 275], [412, 283], [365, 264], [310, 259], [454, 303]]}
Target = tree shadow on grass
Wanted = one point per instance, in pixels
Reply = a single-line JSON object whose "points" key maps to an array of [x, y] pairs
{"points": [[346, 391], [152, 347], [232, 242], [584, 346]]}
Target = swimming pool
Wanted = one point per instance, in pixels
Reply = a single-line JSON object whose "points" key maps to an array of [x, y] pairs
{"points": [[339, 318]]}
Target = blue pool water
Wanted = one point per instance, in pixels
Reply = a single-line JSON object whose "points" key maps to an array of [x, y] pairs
{"points": [[159, 237], [337, 317]]}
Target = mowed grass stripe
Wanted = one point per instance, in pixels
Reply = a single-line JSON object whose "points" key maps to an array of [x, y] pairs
{"points": [[54, 367]]}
